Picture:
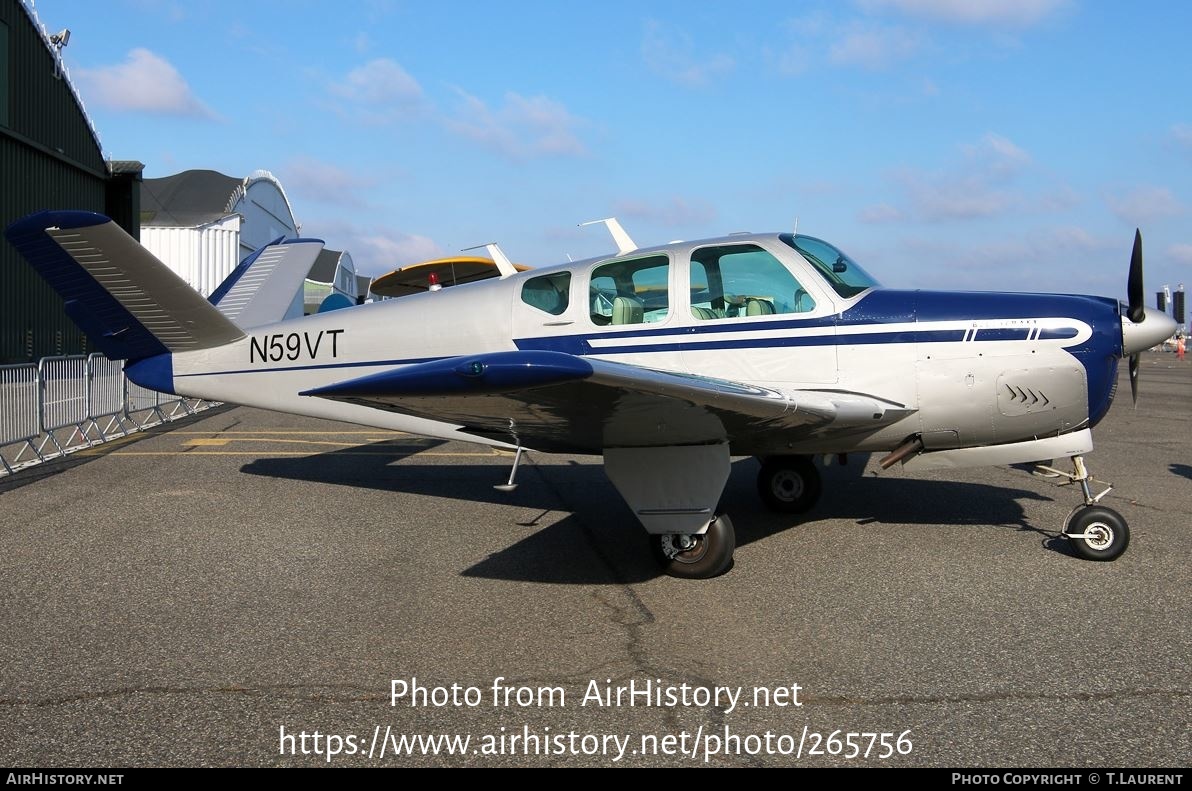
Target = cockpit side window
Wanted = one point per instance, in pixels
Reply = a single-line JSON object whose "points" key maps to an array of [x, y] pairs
{"points": [[548, 293], [743, 280], [630, 292]]}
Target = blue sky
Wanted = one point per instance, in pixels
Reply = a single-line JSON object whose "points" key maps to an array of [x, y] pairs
{"points": [[988, 144]]}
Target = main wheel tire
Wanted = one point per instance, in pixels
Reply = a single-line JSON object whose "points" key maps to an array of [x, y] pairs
{"points": [[1106, 531], [701, 556], [789, 484]]}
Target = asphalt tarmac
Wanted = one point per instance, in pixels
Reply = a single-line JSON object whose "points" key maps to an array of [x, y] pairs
{"points": [[207, 593]]}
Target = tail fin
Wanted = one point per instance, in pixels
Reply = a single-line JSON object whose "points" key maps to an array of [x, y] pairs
{"points": [[127, 301], [261, 289]]}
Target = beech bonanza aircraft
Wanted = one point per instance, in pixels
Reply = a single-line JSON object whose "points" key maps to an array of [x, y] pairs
{"points": [[667, 361]]}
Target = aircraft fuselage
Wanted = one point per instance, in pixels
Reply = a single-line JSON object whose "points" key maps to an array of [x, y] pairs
{"points": [[971, 368]]}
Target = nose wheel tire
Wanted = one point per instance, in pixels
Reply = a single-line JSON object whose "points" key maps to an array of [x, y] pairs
{"points": [[789, 484], [697, 556], [1097, 533]]}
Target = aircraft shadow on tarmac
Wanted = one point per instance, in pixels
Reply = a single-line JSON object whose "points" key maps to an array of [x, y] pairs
{"points": [[601, 542], [1182, 470]]}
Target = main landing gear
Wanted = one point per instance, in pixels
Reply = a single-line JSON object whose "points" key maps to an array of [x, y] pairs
{"points": [[1094, 531], [697, 556], [674, 492], [789, 484]]}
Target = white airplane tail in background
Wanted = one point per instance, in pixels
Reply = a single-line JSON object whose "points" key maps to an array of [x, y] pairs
{"points": [[261, 289]]}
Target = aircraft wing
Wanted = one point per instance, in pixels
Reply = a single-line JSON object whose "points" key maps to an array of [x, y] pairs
{"points": [[561, 402]]}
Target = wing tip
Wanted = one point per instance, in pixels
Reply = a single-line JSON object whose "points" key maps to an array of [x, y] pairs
{"points": [[55, 218]]}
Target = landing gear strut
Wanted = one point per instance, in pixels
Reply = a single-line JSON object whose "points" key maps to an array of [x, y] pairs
{"points": [[1094, 531]]}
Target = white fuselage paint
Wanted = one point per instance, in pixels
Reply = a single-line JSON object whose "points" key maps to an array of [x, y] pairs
{"points": [[951, 385]]}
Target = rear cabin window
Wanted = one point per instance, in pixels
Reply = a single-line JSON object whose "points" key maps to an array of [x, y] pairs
{"points": [[630, 292], [743, 280], [548, 293]]}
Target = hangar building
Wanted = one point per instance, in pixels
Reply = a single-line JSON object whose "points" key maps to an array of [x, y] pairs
{"points": [[50, 158]]}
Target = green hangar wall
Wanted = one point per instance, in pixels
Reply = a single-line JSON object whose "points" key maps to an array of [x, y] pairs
{"points": [[50, 158]]}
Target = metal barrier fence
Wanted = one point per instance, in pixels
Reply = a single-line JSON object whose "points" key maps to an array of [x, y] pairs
{"points": [[63, 391], [63, 404], [105, 386], [20, 406]]}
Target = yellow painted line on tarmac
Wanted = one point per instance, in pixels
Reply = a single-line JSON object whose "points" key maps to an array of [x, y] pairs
{"points": [[105, 447], [275, 440], [284, 453], [307, 433], [116, 442]]}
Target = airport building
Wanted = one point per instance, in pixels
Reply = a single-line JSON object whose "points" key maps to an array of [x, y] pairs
{"points": [[332, 277], [50, 158], [201, 223]]}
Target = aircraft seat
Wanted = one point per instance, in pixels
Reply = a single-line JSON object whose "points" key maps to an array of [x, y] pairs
{"points": [[628, 310], [758, 307]]}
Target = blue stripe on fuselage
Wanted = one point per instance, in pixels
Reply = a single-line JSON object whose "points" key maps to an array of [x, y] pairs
{"points": [[1098, 355]]}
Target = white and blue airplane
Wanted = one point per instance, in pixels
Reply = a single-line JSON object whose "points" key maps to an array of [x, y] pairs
{"points": [[667, 361]]}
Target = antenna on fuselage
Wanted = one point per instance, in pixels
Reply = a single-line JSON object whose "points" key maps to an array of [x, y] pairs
{"points": [[504, 265], [624, 243], [796, 233]]}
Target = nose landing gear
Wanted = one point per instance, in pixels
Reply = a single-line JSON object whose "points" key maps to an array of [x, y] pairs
{"points": [[1094, 531]]}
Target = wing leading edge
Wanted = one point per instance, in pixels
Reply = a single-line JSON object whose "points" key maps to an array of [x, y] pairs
{"points": [[560, 402]]}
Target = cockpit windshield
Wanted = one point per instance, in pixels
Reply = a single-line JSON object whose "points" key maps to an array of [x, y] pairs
{"points": [[845, 275]]}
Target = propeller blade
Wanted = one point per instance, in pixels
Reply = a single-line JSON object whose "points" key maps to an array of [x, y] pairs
{"points": [[1134, 285], [1134, 365]]}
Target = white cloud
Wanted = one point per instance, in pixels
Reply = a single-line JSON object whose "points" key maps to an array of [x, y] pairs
{"points": [[381, 82], [143, 83], [383, 252], [1145, 204], [873, 47], [674, 213], [855, 43], [974, 186], [521, 128], [671, 53], [996, 155], [1180, 253], [882, 212], [1075, 239], [952, 196], [1181, 135], [311, 179], [374, 252], [1059, 199], [1006, 13], [1077, 261], [173, 11]]}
